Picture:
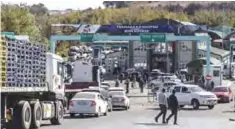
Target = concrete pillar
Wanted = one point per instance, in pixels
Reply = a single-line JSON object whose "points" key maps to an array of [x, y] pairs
{"points": [[131, 54], [149, 57], [194, 49]]}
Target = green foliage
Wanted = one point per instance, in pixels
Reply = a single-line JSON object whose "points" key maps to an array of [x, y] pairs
{"points": [[19, 20]]}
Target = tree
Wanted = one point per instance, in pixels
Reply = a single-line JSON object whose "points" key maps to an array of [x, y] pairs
{"points": [[38, 9], [19, 20]]}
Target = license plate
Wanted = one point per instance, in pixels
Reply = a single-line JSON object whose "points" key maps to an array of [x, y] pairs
{"points": [[116, 100], [81, 103]]}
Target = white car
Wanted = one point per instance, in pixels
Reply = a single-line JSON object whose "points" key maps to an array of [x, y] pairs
{"points": [[88, 103], [193, 95], [119, 99]]}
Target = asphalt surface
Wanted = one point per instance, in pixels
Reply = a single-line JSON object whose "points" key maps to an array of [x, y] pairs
{"points": [[141, 116]]}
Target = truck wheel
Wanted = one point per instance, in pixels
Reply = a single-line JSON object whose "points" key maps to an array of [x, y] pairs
{"points": [[195, 104], [59, 114], [36, 115], [22, 115]]}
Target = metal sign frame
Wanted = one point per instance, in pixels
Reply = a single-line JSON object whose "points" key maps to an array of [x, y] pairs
{"points": [[169, 37]]}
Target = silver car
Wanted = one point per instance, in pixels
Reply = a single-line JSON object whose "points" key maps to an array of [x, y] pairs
{"points": [[119, 99]]}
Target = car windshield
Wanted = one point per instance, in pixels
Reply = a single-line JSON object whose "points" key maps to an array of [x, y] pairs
{"points": [[196, 89], [84, 95], [220, 89], [116, 93]]}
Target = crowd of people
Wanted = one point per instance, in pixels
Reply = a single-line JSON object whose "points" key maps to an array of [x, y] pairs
{"points": [[132, 79]]}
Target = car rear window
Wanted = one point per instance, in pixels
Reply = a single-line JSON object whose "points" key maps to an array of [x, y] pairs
{"points": [[220, 89], [84, 95]]}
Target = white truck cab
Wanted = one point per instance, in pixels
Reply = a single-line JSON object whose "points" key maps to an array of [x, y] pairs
{"points": [[56, 73], [193, 95]]}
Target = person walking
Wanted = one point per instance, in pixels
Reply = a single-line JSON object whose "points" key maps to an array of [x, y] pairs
{"points": [[162, 100], [173, 104], [141, 85], [127, 85], [212, 85], [117, 83]]}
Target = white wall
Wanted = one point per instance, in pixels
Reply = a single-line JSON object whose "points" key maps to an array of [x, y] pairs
{"points": [[184, 53]]}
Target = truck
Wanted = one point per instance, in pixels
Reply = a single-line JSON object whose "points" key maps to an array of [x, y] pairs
{"points": [[84, 75], [32, 84]]}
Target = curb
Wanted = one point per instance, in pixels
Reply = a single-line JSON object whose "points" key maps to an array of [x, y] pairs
{"points": [[138, 96]]}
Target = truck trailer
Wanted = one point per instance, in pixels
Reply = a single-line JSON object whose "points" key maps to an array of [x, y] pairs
{"points": [[32, 84]]}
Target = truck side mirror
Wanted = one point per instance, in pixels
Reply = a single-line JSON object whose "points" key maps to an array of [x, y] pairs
{"points": [[69, 69]]}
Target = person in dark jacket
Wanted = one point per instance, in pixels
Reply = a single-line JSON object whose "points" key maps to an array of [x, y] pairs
{"points": [[127, 85], [173, 104], [212, 85], [141, 85]]}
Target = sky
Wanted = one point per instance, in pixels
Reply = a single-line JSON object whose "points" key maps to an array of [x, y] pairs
{"points": [[61, 4]]}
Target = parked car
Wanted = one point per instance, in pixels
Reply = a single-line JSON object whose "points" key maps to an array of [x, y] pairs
{"points": [[103, 92], [194, 95], [224, 93], [120, 99], [84, 103]]}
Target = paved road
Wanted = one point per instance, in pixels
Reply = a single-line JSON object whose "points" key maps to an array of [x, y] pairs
{"points": [[140, 116]]}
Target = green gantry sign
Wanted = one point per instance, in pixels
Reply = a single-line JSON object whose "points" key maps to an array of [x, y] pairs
{"points": [[7, 33], [87, 37], [152, 37]]}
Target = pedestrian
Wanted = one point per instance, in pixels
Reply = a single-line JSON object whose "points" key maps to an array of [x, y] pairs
{"points": [[212, 85], [127, 85], [133, 81], [121, 77], [141, 84], [162, 79], [173, 104], [117, 83], [162, 100]]}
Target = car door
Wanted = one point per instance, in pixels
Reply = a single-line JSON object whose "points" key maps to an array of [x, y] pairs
{"points": [[185, 95], [178, 94]]}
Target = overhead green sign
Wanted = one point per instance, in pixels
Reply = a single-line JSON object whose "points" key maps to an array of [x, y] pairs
{"points": [[8, 33], [87, 37], [152, 37]]}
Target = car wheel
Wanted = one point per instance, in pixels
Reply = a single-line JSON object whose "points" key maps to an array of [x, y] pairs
{"points": [[72, 114], [110, 109], [195, 104], [211, 106], [126, 108], [98, 114], [81, 115], [106, 112]]}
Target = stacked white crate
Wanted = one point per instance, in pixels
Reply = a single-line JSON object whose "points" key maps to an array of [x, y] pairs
{"points": [[26, 64]]}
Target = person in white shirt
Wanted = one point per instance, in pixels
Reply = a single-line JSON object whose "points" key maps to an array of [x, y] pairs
{"points": [[163, 103]]}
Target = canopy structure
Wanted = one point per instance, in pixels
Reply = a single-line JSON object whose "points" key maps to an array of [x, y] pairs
{"points": [[202, 61]]}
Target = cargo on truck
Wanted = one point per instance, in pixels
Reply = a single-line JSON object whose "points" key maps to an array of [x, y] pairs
{"points": [[32, 84], [84, 74]]}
